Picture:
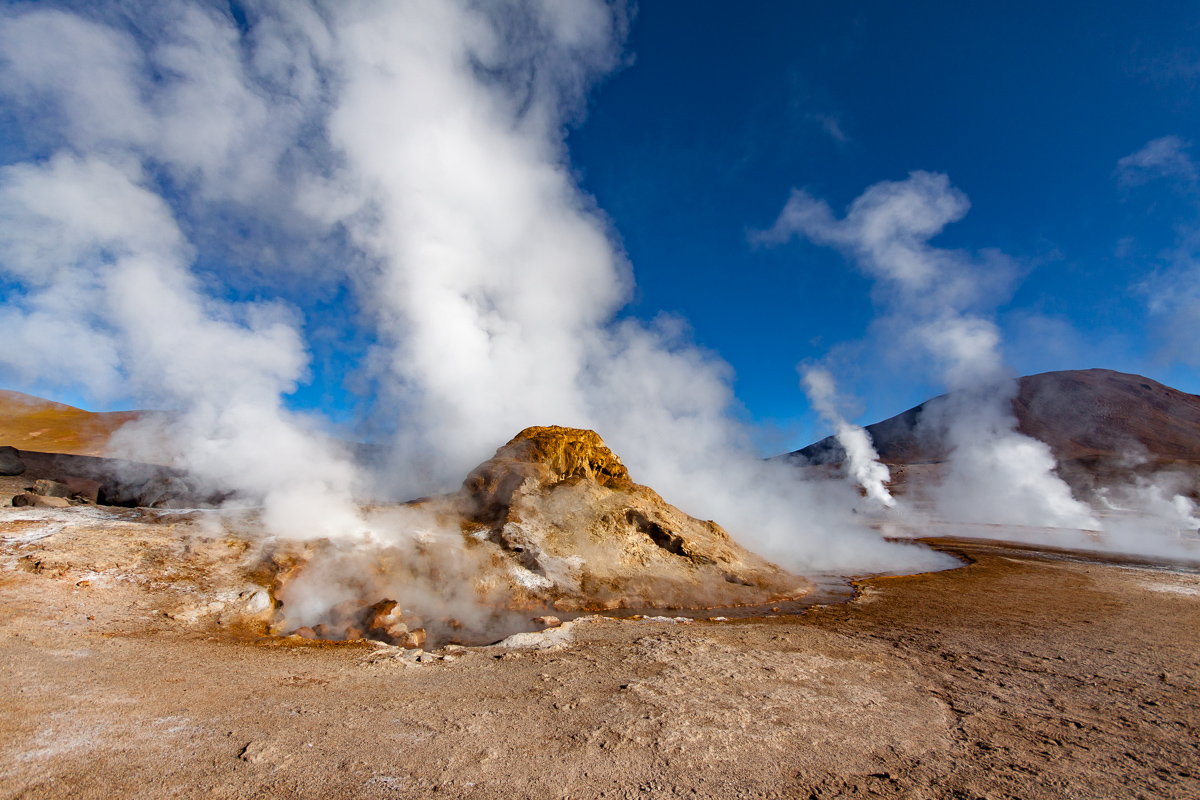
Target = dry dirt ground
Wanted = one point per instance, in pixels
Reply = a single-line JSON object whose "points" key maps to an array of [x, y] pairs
{"points": [[1023, 674]]}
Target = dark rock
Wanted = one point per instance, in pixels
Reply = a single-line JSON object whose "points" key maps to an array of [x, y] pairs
{"points": [[164, 491], [83, 488], [10, 461], [37, 501]]}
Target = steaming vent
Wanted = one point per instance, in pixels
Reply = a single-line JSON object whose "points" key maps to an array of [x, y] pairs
{"points": [[552, 521]]}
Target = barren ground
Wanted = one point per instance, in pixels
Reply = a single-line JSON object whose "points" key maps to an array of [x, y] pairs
{"points": [[1022, 674]]}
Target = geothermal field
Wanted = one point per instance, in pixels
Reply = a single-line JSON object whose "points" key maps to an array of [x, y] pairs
{"points": [[599, 399], [554, 629]]}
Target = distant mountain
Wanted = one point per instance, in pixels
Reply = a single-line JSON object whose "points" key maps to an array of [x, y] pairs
{"points": [[31, 423], [1088, 416]]}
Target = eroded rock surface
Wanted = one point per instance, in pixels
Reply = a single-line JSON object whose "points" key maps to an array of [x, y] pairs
{"points": [[580, 534], [552, 521]]}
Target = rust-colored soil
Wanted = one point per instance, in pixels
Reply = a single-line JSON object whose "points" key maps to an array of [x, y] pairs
{"points": [[1023, 674]]}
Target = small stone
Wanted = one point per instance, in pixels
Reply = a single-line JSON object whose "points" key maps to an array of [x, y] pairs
{"points": [[324, 631], [413, 639], [548, 621], [37, 501], [47, 488], [382, 613], [84, 583], [397, 630], [305, 633], [384, 620]]}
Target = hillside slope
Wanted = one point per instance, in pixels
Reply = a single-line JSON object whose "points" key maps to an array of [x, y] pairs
{"points": [[31, 423], [1083, 415]]}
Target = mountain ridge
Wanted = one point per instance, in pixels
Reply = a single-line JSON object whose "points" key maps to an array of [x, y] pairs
{"points": [[1081, 414]]}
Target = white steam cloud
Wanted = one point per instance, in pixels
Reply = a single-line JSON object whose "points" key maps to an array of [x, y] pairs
{"points": [[183, 167], [933, 301]]}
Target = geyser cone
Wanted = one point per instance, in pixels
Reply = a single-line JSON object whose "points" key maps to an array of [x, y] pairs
{"points": [[580, 534], [553, 520]]}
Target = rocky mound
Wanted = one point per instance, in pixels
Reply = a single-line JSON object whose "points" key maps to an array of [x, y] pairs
{"points": [[561, 505], [552, 522]]}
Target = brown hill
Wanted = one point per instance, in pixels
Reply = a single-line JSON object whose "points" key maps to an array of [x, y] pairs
{"points": [[31, 423], [1080, 414]]}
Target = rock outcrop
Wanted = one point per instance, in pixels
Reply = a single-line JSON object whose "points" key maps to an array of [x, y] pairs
{"points": [[552, 521], [581, 534], [10, 461]]}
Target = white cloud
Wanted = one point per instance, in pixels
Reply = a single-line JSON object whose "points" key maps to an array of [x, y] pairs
{"points": [[1171, 293], [832, 126], [1165, 157]]}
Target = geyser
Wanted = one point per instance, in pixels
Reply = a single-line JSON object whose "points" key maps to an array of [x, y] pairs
{"points": [[552, 521]]}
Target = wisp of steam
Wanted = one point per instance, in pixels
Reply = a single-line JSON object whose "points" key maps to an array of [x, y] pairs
{"points": [[862, 462]]}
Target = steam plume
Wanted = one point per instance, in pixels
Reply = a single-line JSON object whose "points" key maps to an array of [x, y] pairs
{"points": [[183, 166], [861, 458], [934, 301]]}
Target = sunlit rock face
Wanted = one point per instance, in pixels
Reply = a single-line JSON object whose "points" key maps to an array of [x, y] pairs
{"points": [[580, 534]]}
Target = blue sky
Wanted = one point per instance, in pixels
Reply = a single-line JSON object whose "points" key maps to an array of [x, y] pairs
{"points": [[1028, 109], [1071, 129]]}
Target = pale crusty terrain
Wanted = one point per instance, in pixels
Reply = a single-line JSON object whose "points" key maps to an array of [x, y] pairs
{"points": [[1023, 674]]}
